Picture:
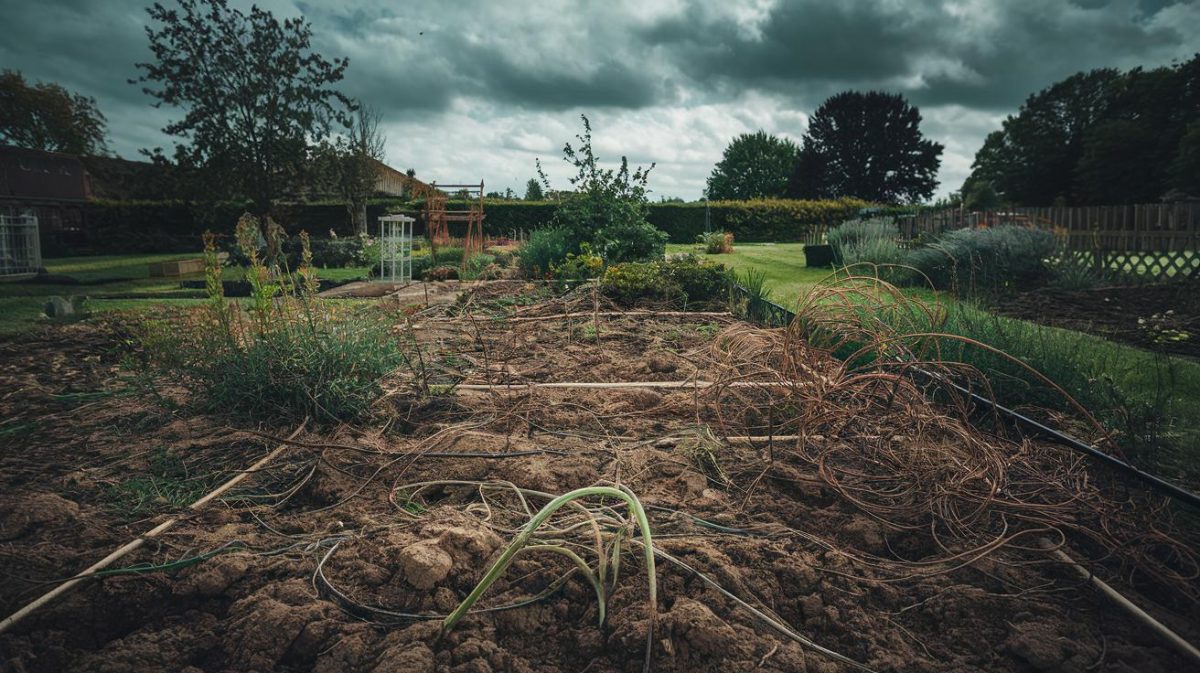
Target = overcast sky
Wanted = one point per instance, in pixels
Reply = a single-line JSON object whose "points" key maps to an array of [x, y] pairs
{"points": [[473, 90]]}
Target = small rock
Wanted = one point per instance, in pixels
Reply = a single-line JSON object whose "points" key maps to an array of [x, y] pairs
{"points": [[425, 564]]}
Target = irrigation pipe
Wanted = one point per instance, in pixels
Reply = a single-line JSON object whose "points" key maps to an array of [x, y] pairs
{"points": [[13, 619], [1184, 647], [623, 384], [751, 439], [619, 314], [1156, 484]]}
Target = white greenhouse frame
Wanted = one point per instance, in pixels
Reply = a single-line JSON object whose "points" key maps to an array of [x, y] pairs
{"points": [[395, 248], [20, 248]]}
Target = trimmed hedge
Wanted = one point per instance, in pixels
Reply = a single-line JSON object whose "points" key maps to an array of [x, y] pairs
{"points": [[760, 220], [169, 226], [111, 227]]}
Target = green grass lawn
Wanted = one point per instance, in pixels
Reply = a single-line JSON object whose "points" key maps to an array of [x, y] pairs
{"points": [[109, 268], [782, 264], [108, 281]]}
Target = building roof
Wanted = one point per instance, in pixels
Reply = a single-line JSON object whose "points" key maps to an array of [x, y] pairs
{"points": [[398, 183], [36, 175]]}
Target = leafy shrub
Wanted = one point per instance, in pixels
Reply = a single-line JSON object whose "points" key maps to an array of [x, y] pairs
{"points": [[421, 264], [447, 256], [336, 252], [685, 279], [504, 257], [478, 266], [872, 241], [608, 209], [450, 255], [580, 267], [986, 259], [699, 279], [545, 249], [284, 354], [849, 238], [627, 283], [716, 242], [630, 241], [331, 253]]}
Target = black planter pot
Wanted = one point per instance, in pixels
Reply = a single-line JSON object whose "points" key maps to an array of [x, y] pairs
{"points": [[818, 255]]}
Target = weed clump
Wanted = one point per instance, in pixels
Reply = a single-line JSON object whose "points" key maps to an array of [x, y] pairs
{"points": [[716, 242], [284, 353]]}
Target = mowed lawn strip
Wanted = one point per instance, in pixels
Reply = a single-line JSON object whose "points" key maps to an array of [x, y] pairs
{"points": [[105, 279]]}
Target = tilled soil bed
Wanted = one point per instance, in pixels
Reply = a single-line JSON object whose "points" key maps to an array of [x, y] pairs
{"points": [[1164, 317], [335, 556]]}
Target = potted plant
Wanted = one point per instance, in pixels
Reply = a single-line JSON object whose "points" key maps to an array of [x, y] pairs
{"points": [[818, 255]]}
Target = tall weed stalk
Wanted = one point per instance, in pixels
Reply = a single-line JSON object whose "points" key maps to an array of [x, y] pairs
{"points": [[284, 353]]}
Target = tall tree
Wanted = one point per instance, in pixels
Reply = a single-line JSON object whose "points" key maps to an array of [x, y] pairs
{"points": [[1184, 172], [1032, 158], [533, 190], [754, 166], [1127, 154], [866, 145], [45, 116], [1100, 137], [349, 165], [253, 93]]}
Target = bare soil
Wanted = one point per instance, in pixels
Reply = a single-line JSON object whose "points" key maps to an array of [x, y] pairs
{"points": [[1162, 317], [82, 437]]}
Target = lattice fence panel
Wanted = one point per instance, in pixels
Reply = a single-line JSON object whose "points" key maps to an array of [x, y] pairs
{"points": [[1155, 266]]}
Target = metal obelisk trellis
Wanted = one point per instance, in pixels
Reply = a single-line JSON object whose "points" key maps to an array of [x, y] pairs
{"points": [[20, 248], [395, 248]]}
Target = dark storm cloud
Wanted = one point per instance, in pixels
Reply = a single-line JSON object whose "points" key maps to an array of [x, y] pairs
{"points": [[85, 46], [982, 54], [486, 73], [428, 62], [609, 84], [696, 73], [799, 42]]}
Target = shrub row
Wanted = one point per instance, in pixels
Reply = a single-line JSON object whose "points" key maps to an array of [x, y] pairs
{"points": [[969, 261], [760, 220], [172, 226]]}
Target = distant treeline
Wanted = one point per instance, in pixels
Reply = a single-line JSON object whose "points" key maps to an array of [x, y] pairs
{"points": [[1096, 138]]}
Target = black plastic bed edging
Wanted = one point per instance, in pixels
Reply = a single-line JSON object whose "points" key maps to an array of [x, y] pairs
{"points": [[1156, 484]]}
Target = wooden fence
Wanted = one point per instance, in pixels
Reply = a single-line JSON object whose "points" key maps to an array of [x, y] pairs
{"points": [[1147, 242]]}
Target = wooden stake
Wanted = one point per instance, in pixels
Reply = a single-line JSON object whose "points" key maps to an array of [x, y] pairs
{"points": [[161, 528], [1182, 646]]}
